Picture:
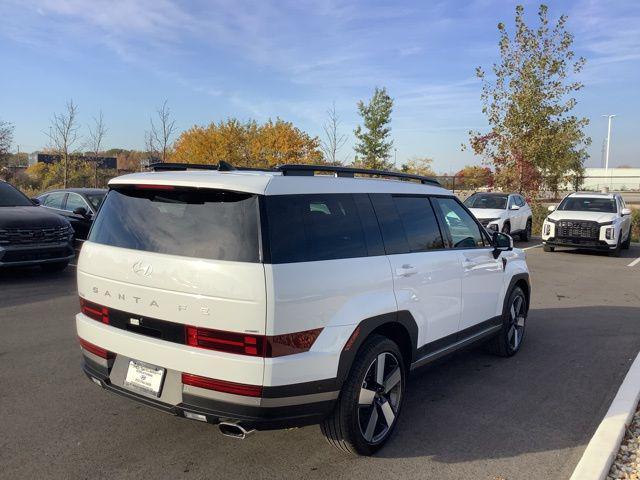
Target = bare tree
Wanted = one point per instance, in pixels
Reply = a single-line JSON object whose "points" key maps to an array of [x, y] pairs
{"points": [[63, 135], [6, 138], [94, 142], [334, 141], [158, 139]]}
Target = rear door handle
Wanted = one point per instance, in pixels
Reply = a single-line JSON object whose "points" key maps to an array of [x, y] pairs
{"points": [[406, 270]]}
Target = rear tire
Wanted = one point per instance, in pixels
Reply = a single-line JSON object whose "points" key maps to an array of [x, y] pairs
{"points": [[368, 408], [508, 341], [54, 267], [548, 248], [525, 235], [627, 243]]}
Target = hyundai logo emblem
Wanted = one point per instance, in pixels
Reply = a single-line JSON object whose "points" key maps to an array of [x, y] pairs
{"points": [[142, 269]]}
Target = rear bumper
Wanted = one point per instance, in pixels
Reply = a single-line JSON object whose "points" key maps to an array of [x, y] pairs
{"points": [[26, 255], [266, 413]]}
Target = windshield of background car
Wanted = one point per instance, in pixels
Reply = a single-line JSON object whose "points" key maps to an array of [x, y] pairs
{"points": [[588, 204], [200, 223], [95, 199], [480, 200], [12, 197]]}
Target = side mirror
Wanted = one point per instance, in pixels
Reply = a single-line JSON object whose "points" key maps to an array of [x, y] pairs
{"points": [[625, 211], [80, 211], [515, 207], [501, 243], [551, 208], [35, 201]]}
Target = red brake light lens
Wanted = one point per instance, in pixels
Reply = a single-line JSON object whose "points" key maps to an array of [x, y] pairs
{"points": [[252, 345], [154, 187], [96, 350], [95, 311], [221, 385]]}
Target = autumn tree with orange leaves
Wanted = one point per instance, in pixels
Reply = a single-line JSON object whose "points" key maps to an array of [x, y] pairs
{"points": [[247, 144]]}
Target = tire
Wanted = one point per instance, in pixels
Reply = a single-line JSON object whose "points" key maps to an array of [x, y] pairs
{"points": [[54, 267], [509, 340], [627, 243], [548, 248], [506, 228], [359, 423], [616, 251], [525, 235]]}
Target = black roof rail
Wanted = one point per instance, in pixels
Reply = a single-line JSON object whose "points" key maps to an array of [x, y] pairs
{"points": [[222, 166], [339, 171]]}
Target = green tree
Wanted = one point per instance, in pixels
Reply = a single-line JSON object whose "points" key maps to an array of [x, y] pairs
{"points": [[373, 147], [6, 139], [473, 177], [534, 135]]}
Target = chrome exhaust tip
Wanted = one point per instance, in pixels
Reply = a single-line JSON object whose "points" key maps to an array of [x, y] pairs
{"points": [[234, 430]]}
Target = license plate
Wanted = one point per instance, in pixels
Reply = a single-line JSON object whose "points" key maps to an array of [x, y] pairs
{"points": [[144, 377]]}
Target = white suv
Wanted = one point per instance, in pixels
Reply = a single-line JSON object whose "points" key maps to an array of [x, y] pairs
{"points": [[502, 212], [591, 221], [271, 299]]}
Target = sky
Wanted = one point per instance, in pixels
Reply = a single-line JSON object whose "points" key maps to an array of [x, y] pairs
{"points": [[292, 59]]}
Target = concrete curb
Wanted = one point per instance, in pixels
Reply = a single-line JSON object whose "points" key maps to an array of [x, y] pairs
{"points": [[603, 447]]}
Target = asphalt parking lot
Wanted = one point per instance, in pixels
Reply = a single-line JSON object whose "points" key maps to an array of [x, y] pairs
{"points": [[473, 416]]}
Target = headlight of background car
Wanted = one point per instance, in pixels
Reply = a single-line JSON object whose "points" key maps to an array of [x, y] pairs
{"points": [[493, 226], [610, 233], [547, 228]]}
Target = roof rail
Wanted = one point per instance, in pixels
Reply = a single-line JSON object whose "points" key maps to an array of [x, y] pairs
{"points": [[339, 171], [165, 166]]}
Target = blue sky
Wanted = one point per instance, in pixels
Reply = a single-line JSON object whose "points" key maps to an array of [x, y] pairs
{"points": [[292, 59]]}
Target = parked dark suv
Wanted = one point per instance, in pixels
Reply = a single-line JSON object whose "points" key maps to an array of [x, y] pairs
{"points": [[30, 234]]}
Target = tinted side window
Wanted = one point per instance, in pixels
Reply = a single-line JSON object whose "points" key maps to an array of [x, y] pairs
{"points": [[74, 201], [512, 201], [520, 201], [419, 223], [307, 228], [463, 229], [54, 200]]}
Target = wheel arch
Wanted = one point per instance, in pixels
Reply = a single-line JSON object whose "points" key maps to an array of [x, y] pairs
{"points": [[399, 327], [518, 280]]}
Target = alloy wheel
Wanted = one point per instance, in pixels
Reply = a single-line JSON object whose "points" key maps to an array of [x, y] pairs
{"points": [[517, 317], [379, 397]]}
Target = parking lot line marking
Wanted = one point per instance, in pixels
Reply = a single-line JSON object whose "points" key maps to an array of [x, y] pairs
{"points": [[634, 263], [534, 246]]}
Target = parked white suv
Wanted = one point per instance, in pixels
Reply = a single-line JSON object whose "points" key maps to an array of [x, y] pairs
{"points": [[502, 212], [590, 221], [262, 300]]}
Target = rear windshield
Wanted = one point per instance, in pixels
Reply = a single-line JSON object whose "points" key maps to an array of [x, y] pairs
{"points": [[200, 223], [588, 204]]}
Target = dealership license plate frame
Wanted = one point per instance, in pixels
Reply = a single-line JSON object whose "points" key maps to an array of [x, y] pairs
{"points": [[137, 374]]}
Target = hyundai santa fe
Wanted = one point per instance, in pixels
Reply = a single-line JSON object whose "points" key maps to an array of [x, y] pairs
{"points": [[258, 300]]}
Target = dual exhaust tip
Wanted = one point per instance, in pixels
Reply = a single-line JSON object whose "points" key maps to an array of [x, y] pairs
{"points": [[234, 430]]}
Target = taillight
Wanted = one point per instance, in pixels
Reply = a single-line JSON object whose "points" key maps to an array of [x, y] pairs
{"points": [[96, 350], [225, 341], [252, 345], [221, 385], [95, 311]]}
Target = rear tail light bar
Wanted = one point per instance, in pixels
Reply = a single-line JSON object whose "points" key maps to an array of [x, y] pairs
{"points": [[221, 385], [96, 350], [94, 311], [267, 346]]}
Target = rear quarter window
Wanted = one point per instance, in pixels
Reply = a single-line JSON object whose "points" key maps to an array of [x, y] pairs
{"points": [[199, 223], [307, 228]]}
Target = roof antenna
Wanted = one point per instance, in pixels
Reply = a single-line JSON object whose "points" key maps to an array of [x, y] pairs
{"points": [[225, 166]]}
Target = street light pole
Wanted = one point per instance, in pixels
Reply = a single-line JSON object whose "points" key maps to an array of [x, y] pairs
{"points": [[606, 162]]}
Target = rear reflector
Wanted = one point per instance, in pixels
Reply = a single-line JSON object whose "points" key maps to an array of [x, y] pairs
{"points": [[94, 311], [96, 350], [252, 345], [221, 385]]}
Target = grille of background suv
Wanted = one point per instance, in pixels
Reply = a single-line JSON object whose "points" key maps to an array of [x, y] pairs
{"points": [[25, 236], [578, 229]]}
